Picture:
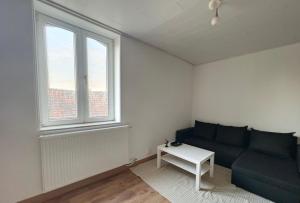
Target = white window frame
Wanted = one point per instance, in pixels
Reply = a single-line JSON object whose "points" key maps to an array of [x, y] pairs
{"points": [[110, 76], [80, 36]]}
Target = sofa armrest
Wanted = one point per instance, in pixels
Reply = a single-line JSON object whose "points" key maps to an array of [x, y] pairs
{"points": [[182, 134], [298, 157]]}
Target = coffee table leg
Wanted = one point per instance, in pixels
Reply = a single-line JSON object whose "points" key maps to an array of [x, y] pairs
{"points": [[158, 158], [211, 162], [198, 176]]}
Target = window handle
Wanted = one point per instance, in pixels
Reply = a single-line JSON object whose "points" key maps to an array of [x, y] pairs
{"points": [[85, 78]]}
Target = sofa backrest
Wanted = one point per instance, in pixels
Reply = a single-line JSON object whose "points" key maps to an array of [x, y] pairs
{"points": [[204, 130], [231, 135], [282, 145]]}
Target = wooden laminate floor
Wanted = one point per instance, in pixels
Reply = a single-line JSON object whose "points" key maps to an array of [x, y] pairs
{"points": [[124, 187]]}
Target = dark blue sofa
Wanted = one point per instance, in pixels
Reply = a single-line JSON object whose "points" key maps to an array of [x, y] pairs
{"points": [[265, 163], [214, 138]]}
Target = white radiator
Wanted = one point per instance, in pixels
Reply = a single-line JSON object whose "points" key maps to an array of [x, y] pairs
{"points": [[73, 157]]}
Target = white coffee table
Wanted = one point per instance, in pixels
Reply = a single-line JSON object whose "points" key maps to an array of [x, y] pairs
{"points": [[189, 158]]}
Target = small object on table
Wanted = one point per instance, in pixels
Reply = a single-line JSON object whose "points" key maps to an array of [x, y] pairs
{"points": [[166, 143], [176, 143]]}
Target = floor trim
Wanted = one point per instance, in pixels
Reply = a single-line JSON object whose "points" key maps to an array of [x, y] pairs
{"points": [[143, 160], [68, 188]]}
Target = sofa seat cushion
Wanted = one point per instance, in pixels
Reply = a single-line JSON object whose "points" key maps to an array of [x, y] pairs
{"points": [[281, 173], [225, 155]]}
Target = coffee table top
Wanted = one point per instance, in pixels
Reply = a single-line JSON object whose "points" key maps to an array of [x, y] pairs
{"points": [[187, 152]]}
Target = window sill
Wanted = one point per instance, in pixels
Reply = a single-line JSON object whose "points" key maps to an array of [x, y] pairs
{"points": [[55, 131]]}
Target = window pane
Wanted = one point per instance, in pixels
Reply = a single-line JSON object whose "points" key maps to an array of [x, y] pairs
{"points": [[62, 101], [97, 78]]}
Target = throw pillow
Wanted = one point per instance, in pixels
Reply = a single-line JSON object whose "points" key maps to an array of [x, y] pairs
{"points": [[236, 136], [278, 144], [205, 130]]}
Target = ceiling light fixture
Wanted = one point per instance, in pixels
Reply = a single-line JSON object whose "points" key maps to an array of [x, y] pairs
{"points": [[215, 19], [214, 4]]}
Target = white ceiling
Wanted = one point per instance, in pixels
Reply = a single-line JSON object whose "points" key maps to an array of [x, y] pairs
{"points": [[182, 27]]}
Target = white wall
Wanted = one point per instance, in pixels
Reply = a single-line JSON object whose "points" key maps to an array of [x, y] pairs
{"points": [[156, 90], [20, 172], [261, 90], [157, 96]]}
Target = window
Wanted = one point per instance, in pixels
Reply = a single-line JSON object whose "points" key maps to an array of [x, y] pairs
{"points": [[76, 74]]}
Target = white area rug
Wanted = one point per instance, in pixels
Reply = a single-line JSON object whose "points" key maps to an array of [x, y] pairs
{"points": [[179, 186]]}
